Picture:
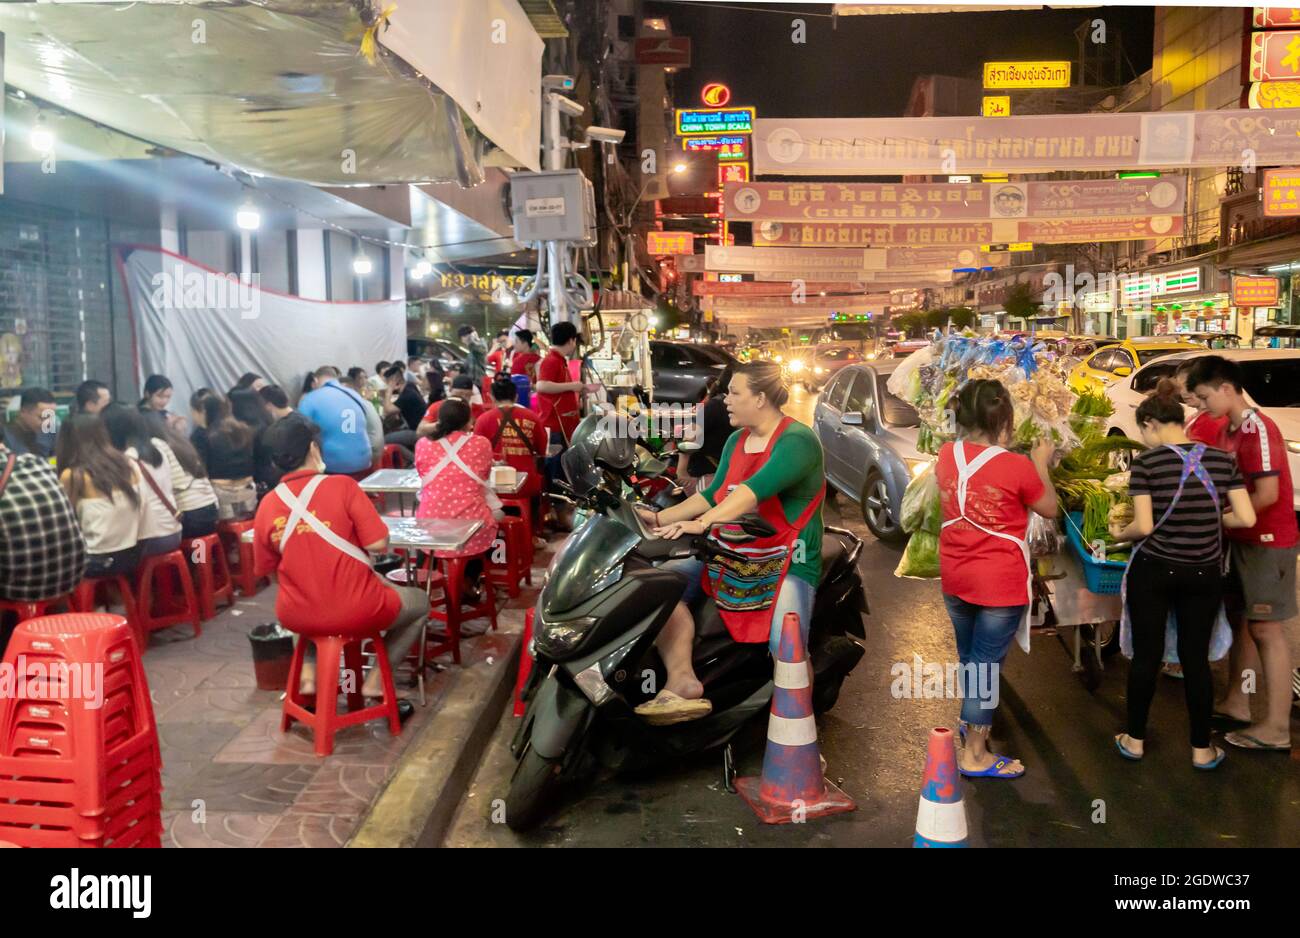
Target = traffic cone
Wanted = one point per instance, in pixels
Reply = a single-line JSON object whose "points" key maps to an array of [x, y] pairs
{"points": [[791, 788], [525, 662], [941, 817]]}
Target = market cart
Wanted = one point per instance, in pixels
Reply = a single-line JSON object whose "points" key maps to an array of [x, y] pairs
{"points": [[1087, 623]]}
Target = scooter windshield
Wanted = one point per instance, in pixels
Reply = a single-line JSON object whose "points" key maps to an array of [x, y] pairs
{"points": [[585, 560]]}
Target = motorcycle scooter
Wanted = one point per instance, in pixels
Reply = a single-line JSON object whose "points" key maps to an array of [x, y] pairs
{"points": [[603, 603]]}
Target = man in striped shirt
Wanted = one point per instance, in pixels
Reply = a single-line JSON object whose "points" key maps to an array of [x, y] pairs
{"points": [[1263, 569]]}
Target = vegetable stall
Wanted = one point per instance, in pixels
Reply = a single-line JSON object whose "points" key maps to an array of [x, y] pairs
{"points": [[1077, 564]]}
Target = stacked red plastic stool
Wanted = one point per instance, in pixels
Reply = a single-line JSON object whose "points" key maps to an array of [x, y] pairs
{"points": [[79, 759]]}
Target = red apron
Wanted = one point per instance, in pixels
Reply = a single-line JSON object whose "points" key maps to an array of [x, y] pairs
{"points": [[746, 591]]}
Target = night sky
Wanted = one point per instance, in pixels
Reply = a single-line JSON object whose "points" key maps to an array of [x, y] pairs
{"points": [[866, 65]]}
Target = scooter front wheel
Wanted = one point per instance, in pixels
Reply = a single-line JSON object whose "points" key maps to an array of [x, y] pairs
{"points": [[533, 790]]}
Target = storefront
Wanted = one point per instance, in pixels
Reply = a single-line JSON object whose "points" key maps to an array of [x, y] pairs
{"points": [[1177, 299]]}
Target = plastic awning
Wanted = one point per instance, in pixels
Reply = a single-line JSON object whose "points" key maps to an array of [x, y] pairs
{"points": [[278, 87]]}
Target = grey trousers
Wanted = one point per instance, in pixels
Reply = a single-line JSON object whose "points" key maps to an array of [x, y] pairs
{"points": [[405, 630]]}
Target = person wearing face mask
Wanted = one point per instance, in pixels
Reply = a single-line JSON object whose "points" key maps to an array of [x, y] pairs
{"points": [[771, 465], [327, 584]]}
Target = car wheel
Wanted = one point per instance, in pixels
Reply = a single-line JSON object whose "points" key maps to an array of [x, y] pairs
{"points": [[877, 510]]}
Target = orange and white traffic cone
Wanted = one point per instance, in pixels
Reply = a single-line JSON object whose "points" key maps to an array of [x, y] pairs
{"points": [[941, 816], [791, 788], [525, 662]]}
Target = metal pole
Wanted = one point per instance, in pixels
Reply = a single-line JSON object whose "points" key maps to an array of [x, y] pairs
{"points": [[557, 302]]}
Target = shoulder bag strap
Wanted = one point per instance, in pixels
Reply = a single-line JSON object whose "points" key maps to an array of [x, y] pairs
{"points": [[153, 484]]}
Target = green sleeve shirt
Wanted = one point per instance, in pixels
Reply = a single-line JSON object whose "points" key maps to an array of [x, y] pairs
{"points": [[794, 473]]}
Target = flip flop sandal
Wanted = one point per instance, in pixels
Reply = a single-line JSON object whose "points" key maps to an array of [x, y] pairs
{"points": [[994, 770], [668, 708], [1168, 671], [1127, 753], [1213, 763], [1246, 741], [1228, 718]]}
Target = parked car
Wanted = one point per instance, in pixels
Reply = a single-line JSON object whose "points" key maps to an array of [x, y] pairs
{"points": [[1275, 336], [869, 439], [907, 347], [1272, 382], [447, 353], [681, 370], [1212, 340], [1119, 361]]}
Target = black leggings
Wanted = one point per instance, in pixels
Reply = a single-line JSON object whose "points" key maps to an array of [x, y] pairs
{"points": [[1194, 593]]}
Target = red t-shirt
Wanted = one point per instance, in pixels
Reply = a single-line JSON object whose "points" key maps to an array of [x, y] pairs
{"points": [[1206, 428], [524, 363], [974, 566], [555, 408], [510, 447], [323, 590], [475, 411], [1261, 452], [496, 358]]}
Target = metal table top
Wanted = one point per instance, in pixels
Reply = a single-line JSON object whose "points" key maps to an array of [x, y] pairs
{"points": [[407, 482], [430, 533]]}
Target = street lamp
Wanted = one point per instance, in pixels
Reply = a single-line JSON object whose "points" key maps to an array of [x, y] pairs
{"points": [[42, 138], [361, 265]]}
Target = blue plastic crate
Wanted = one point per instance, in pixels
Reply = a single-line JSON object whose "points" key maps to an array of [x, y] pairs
{"points": [[1101, 576]]}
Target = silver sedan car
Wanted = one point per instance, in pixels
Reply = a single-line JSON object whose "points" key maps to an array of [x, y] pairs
{"points": [[869, 439]]}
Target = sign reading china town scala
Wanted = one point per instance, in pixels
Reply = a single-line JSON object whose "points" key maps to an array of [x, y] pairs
{"points": [[1255, 291], [736, 120], [880, 146], [926, 202]]}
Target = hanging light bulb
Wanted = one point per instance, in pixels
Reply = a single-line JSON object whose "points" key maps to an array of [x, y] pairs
{"points": [[361, 265], [248, 217], [454, 301], [42, 138]]}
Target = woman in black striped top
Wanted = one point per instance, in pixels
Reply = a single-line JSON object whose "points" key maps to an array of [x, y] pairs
{"points": [[1178, 564]]}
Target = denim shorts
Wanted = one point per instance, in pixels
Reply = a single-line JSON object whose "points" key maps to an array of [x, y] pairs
{"points": [[797, 595]]}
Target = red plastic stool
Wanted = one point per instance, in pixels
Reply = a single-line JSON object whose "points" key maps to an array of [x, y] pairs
{"points": [[449, 611], [524, 505], [513, 531], [32, 610], [91, 589], [331, 650], [391, 457], [166, 609], [232, 535], [211, 571]]}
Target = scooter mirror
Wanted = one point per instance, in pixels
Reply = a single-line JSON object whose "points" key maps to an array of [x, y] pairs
{"points": [[755, 525]]}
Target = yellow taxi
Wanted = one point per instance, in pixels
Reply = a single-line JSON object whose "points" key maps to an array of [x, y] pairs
{"points": [[1113, 362]]}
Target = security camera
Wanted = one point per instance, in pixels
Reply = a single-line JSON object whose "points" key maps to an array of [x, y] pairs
{"points": [[567, 105], [557, 82], [605, 134]]}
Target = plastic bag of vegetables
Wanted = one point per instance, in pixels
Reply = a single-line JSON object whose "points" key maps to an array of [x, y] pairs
{"points": [[921, 508], [1042, 535], [921, 557]]}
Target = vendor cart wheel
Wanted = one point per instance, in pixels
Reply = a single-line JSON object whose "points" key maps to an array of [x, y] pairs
{"points": [[1108, 638], [1091, 673], [878, 510]]}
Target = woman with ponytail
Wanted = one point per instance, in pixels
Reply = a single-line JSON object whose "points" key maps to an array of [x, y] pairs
{"points": [[1194, 491], [984, 565]]}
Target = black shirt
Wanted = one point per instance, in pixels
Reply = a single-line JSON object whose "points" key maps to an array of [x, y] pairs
{"points": [[222, 460], [1192, 533], [717, 428], [411, 405]]}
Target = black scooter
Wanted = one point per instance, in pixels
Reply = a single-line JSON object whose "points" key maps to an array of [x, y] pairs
{"points": [[603, 604]]}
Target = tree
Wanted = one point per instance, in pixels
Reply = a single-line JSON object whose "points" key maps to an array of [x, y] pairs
{"points": [[1020, 302]]}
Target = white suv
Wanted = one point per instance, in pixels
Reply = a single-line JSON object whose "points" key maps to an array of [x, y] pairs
{"points": [[1272, 383]]}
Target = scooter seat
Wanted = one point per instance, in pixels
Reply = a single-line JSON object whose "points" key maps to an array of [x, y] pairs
{"points": [[834, 554]]}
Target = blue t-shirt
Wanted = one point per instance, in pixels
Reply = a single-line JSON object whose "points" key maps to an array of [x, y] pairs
{"points": [[340, 414]]}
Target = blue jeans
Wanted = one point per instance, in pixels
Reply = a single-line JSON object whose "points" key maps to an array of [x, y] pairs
{"points": [[796, 596], [984, 634]]}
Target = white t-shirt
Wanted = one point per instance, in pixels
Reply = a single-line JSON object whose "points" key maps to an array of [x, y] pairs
{"points": [[109, 525], [156, 520], [191, 492]]}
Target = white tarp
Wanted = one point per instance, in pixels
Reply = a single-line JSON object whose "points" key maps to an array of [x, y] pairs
{"points": [[203, 328]]}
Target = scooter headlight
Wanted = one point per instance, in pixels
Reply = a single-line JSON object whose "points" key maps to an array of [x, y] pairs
{"points": [[557, 639]]}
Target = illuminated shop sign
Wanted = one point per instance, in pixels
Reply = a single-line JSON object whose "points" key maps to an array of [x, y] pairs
{"points": [[715, 121]]}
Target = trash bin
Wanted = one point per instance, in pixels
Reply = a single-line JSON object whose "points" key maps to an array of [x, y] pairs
{"points": [[272, 655]]}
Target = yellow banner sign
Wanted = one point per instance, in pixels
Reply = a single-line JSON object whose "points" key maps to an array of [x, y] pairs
{"points": [[1007, 246], [1281, 188], [997, 106], [1026, 74]]}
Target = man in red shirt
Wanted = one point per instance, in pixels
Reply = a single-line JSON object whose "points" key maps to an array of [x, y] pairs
{"points": [[1203, 427], [557, 394], [462, 387], [1261, 586], [326, 583], [499, 358], [525, 358]]}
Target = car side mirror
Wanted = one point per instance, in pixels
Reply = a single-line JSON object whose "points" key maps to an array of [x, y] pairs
{"points": [[853, 418], [1123, 371]]}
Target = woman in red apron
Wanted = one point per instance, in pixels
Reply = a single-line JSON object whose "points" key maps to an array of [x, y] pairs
{"points": [[772, 465], [987, 494]]}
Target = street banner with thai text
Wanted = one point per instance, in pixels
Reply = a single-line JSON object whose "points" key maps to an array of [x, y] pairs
{"points": [[775, 288], [752, 260], [1024, 143], [833, 234]]}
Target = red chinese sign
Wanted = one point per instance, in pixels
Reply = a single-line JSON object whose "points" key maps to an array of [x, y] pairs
{"points": [[1275, 55], [732, 172], [1255, 291], [670, 242], [1275, 17], [1281, 193]]}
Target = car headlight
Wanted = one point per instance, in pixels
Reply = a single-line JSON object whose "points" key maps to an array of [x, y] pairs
{"points": [[1293, 446], [796, 366], [557, 639], [870, 356], [916, 466]]}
